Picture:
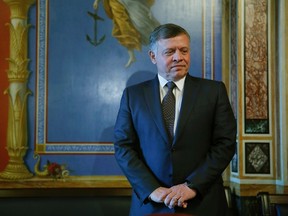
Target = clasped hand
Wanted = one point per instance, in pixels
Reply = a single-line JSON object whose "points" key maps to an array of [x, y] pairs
{"points": [[177, 195]]}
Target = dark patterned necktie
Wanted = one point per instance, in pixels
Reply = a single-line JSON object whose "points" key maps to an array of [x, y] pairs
{"points": [[168, 109]]}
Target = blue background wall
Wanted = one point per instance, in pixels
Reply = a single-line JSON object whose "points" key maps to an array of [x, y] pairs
{"points": [[77, 87]]}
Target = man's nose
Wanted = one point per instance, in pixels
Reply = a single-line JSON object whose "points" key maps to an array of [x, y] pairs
{"points": [[177, 56]]}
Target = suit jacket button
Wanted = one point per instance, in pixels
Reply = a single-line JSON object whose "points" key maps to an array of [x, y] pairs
{"points": [[173, 149]]}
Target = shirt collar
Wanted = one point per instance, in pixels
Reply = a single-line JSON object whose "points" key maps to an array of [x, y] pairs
{"points": [[178, 83]]}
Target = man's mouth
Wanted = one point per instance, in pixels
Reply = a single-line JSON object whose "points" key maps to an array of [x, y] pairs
{"points": [[177, 66]]}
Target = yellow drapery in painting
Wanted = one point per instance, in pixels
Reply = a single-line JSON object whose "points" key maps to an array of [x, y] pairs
{"points": [[132, 23], [123, 29]]}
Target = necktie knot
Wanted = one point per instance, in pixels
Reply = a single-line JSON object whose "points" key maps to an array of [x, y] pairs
{"points": [[171, 85]]}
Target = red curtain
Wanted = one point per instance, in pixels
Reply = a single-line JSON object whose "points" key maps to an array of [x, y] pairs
{"points": [[4, 54]]}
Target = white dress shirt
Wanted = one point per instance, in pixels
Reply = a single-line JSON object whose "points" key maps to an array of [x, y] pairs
{"points": [[178, 93]]}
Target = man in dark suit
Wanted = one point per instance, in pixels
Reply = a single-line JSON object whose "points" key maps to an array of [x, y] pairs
{"points": [[178, 170]]}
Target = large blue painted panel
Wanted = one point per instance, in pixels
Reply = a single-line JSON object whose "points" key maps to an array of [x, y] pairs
{"points": [[79, 86], [85, 82]]}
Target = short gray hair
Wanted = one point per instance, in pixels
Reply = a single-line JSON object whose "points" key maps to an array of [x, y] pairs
{"points": [[165, 31]]}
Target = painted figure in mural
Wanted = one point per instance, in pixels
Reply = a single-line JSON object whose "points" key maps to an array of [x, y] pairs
{"points": [[180, 171], [132, 23]]}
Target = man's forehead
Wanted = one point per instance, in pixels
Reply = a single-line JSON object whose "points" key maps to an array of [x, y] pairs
{"points": [[174, 42]]}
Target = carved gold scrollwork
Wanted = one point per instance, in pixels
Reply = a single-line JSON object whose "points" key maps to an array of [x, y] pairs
{"points": [[18, 62], [38, 172]]}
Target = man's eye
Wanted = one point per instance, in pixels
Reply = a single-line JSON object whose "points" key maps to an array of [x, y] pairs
{"points": [[168, 52], [184, 51]]}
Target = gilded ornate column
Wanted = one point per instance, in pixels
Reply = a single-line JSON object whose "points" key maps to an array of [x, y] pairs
{"points": [[17, 91]]}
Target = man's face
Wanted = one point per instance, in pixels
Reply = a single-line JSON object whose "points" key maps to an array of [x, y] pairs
{"points": [[172, 57]]}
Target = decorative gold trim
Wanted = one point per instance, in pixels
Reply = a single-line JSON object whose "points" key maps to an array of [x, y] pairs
{"points": [[40, 148], [253, 189], [70, 186], [105, 181]]}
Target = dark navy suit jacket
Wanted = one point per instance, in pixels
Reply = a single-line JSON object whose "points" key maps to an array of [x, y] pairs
{"points": [[203, 145]]}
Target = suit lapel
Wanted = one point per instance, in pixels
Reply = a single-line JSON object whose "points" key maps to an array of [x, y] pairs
{"points": [[153, 101], [191, 88]]}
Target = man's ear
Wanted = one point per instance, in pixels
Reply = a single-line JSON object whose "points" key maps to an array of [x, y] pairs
{"points": [[152, 56]]}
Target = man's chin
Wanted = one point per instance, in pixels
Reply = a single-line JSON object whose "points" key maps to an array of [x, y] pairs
{"points": [[176, 75]]}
